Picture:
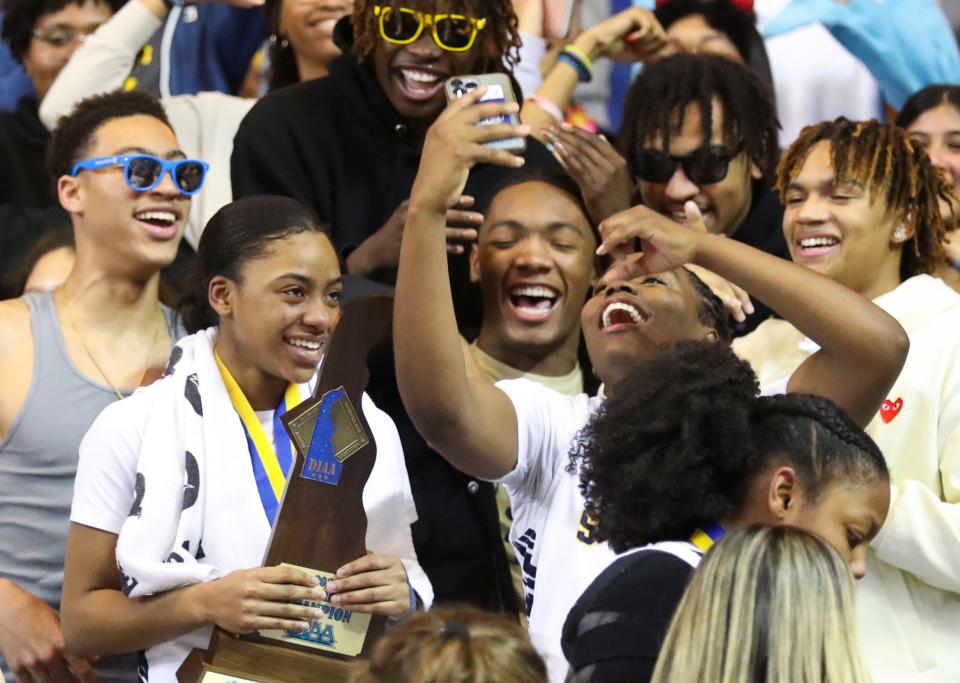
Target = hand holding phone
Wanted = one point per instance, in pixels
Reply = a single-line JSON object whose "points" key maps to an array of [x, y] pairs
{"points": [[499, 89]]}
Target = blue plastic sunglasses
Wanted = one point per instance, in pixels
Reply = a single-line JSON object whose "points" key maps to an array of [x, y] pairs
{"points": [[144, 172]]}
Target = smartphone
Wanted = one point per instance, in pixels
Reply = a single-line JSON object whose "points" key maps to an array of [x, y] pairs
{"points": [[499, 89], [556, 18]]}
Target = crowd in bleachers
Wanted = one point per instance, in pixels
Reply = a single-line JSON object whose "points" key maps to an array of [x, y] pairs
{"points": [[673, 387]]}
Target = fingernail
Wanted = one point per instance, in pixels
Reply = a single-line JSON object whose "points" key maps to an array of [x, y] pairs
{"points": [[331, 587], [319, 593], [302, 626], [513, 106], [317, 614], [519, 161], [601, 250], [565, 125], [335, 599], [315, 580], [523, 129], [748, 307]]}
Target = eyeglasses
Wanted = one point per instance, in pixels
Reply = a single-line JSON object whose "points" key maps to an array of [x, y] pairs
{"points": [[451, 32], [704, 166], [143, 172], [61, 37]]}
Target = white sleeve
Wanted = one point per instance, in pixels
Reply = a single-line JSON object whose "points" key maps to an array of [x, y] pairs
{"points": [[104, 489], [390, 533], [102, 63], [775, 388], [546, 424], [527, 72], [922, 531]]}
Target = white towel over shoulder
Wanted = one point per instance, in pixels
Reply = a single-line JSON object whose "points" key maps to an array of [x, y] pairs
{"points": [[197, 514]]}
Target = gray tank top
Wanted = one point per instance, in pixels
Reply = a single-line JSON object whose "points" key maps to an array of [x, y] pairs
{"points": [[38, 463]]}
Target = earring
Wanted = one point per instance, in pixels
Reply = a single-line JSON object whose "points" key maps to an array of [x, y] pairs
{"points": [[279, 41], [900, 233]]}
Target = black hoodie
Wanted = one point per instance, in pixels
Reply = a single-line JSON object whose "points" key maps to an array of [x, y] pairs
{"points": [[338, 145]]}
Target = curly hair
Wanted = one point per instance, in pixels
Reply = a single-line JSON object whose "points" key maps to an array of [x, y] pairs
{"points": [[22, 16], [710, 309], [665, 88], [454, 644], [499, 40], [891, 166], [685, 434]]}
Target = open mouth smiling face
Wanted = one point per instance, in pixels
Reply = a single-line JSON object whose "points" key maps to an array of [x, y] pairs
{"points": [[533, 303]]}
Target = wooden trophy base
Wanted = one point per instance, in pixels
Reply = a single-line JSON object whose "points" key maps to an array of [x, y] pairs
{"points": [[241, 661]]}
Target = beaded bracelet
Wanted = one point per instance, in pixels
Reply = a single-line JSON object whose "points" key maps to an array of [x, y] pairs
{"points": [[578, 61]]}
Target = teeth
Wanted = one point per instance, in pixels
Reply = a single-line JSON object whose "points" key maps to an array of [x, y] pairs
{"points": [[166, 216], [620, 306], [810, 242], [305, 344], [420, 76], [539, 292]]}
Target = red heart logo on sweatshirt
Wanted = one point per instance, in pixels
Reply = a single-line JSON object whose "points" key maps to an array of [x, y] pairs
{"points": [[890, 409]]}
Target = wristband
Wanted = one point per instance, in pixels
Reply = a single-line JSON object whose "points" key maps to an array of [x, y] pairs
{"points": [[580, 62], [550, 107]]}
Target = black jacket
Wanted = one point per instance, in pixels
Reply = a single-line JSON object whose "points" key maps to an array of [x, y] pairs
{"points": [[338, 145], [27, 205]]}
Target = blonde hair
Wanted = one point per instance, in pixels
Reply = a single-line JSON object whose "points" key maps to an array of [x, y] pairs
{"points": [[454, 645], [771, 604]]}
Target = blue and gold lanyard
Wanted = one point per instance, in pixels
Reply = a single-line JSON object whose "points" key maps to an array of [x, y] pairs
{"points": [[704, 537], [270, 465]]}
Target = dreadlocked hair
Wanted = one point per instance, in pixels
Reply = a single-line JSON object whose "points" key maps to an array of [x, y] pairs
{"points": [[665, 88], [685, 434], [883, 159], [499, 39]]}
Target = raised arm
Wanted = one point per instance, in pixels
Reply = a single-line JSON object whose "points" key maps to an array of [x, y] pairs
{"points": [[468, 421], [104, 61], [862, 348], [630, 35]]}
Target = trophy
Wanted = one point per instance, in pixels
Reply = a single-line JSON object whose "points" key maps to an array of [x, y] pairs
{"points": [[321, 524]]}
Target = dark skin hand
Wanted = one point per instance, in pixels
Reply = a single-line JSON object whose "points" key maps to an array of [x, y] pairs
{"points": [[598, 168], [862, 348], [382, 249]]}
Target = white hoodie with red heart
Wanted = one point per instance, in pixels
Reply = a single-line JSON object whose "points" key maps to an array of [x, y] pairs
{"points": [[909, 602]]}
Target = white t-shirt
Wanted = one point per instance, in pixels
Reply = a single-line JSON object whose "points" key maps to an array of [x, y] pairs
{"points": [[551, 532], [104, 488]]}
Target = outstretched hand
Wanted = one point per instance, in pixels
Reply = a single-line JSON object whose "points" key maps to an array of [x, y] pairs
{"points": [[454, 145], [600, 171], [665, 245]]}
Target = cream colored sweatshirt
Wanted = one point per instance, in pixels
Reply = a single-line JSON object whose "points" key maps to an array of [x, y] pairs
{"points": [[909, 602]]}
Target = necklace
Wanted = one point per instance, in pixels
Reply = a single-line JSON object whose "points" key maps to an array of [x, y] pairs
{"points": [[83, 343]]}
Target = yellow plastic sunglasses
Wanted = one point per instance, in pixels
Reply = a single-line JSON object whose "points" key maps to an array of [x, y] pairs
{"points": [[451, 32]]}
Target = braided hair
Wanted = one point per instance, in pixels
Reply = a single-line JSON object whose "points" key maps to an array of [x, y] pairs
{"points": [[499, 40], [684, 436], [890, 165], [665, 88]]}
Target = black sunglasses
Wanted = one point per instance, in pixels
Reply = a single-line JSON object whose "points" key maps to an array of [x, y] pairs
{"points": [[703, 166]]}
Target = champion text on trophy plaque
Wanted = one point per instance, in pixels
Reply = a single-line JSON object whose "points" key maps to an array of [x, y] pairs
{"points": [[321, 524]]}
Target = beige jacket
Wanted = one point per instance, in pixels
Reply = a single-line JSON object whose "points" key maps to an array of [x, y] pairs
{"points": [[909, 602]]}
